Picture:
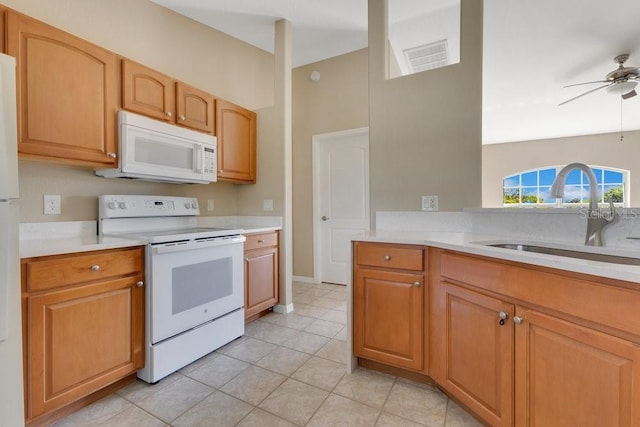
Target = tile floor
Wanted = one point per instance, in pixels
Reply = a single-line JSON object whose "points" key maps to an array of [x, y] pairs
{"points": [[286, 370]]}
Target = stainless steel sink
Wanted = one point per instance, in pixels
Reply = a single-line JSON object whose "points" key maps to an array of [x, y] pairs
{"points": [[615, 259]]}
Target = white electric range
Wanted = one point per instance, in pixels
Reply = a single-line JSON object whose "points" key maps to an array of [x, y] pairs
{"points": [[195, 278]]}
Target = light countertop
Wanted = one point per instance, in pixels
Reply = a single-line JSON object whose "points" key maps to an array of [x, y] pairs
{"points": [[64, 245], [55, 238], [475, 244]]}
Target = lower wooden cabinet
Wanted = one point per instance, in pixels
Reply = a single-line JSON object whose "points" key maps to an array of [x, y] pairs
{"points": [[261, 280], [570, 375], [390, 309], [81, 334], [532, 347], [475, 351]]}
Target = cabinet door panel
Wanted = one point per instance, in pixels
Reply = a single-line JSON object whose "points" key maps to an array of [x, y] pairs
{"points": [[261, 280], [82, 339], [570, 375], [478, 353], [66, 91], [236, 132], [147, 91], [195, 108], [389, 317]]}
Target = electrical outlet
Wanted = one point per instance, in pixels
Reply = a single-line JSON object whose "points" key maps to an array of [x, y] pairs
{"points": [[267, 205], [429, 203], [210, 205], [52, 204]]}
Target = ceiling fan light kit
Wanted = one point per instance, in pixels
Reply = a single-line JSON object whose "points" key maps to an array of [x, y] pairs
{"points": [[622, 81]]}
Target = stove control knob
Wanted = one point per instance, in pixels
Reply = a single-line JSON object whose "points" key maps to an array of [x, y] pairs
{"points": [[187, 205], [112, 205], [122, 205], [194, 205]]}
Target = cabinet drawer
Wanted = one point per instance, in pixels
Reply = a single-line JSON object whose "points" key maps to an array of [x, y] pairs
{"points": [[262, 240], [51, 272], [405, 257]]}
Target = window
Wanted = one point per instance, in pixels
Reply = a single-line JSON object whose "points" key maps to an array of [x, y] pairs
{"points": [[533, 187]]}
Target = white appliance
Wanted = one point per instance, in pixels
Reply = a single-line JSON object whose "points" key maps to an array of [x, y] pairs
{"points": [[11, 396], [194, 301], [152, 150]]}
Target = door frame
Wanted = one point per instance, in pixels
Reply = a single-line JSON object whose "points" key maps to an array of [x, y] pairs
{"points": [[316, 142]]}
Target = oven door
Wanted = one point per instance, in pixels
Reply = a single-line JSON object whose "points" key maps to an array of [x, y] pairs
{"points": [[193, 282]]}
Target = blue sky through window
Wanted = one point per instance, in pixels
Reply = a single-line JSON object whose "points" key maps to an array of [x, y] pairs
{"points": [[532, 187]]}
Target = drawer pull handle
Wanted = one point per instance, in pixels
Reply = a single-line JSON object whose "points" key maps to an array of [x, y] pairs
{"points": [[140, 284], [260, 240], [417, 284], [95, 267], [387, 258]]}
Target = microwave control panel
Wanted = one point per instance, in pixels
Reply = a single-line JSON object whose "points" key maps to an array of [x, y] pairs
{"points": [[209, 160]]}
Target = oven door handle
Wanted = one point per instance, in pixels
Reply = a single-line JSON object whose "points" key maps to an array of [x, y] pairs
{"points": [[165, 248]]}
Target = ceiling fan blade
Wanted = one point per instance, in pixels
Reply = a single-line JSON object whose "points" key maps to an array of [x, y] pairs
{"points": [[586, 83], [583, 94], [630, 94]]}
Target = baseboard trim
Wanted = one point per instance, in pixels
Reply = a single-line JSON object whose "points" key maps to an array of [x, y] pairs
{"points": [[302, 279]]}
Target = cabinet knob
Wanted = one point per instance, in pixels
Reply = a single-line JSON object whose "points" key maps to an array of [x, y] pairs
{"points": [[140, 284], [260, 240], [387, 258], [417, 284], [246, 259], [112, 155], [168, 114], [181, 118], [95, 267], [518, 320], [503, 315]]}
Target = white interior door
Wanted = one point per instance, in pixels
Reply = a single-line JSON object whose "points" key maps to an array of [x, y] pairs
{"points": [[341, 200]]}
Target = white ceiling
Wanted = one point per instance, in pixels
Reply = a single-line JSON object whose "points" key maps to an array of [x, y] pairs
{"points": [[531, 50]]}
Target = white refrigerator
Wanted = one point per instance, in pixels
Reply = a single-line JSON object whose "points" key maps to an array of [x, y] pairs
{"points": [[11, 394]]}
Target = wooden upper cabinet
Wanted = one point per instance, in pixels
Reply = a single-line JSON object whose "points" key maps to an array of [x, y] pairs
{"points": [[67, 94], [148, 92], [153, 94], [3, 14], [195, 108], [236, 132]]}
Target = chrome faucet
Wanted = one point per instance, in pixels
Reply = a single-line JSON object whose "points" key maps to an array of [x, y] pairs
{"points": [[595, 220]]}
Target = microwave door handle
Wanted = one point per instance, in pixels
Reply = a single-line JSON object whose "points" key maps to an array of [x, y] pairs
{"points": [[199, 159]]}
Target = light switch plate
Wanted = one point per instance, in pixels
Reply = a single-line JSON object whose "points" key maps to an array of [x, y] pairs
{"points": [[429, 203], [52, 205], [210, 205]]}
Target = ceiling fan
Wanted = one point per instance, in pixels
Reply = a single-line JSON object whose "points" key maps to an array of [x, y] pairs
{"points": [[622, 80]]}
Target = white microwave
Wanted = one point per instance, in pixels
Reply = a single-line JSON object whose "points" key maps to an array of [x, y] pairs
{"points": [[152, 150]]}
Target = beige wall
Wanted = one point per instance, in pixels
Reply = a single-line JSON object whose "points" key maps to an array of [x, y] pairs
{"points": [[171, 44], [426, 128], [501, 160], [338, 101]]}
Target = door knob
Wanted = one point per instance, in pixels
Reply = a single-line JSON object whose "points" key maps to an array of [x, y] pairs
{"points": [[324, 217]]}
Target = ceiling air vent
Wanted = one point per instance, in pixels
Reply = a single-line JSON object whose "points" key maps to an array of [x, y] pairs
{"points": [[428, 56]]}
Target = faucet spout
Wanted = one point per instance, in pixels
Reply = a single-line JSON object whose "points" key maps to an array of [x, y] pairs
{"points": [[595, 221], [557, 189]]}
